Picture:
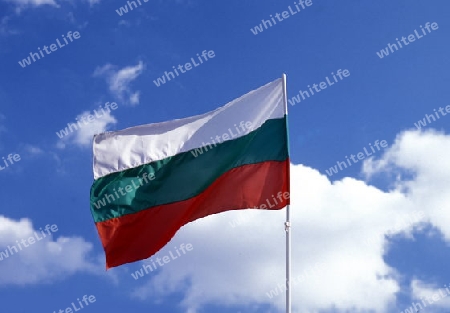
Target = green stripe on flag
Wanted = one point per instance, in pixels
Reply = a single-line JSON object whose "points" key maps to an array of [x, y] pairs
{"points": [[184, 176]]}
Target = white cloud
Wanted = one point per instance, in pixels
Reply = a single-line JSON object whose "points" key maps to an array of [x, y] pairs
{"points": [[425, 156], [83, 136], [339, 225], [22, 4], [429, 296], [92, 2], [119, 81], [33, 2], [2, 127], [4, 27], [134, 98], [124, 23], [47, 259], [33, 150]]}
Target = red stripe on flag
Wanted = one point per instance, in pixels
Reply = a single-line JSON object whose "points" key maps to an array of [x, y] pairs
{"points": [[138, 236]]}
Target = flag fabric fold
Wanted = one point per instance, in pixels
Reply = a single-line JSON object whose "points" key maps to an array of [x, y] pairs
{"points": [[150, 180]]}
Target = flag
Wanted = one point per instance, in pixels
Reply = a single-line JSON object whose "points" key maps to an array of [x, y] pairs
{"points": [[152, 179]]}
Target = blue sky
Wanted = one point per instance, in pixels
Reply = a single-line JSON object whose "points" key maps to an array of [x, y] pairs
{"points": [[371, 237]]}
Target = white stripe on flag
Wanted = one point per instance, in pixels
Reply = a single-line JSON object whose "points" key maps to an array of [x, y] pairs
{"points": [[132, 147]]}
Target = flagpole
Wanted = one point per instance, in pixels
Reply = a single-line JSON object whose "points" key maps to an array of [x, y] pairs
{"points": [[287, 224]]}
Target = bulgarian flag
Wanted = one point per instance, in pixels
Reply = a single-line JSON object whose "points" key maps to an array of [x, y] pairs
{"points": [[152, 179]]}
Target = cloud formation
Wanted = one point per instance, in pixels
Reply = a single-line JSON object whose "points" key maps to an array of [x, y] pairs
{"points": [[119, 81], [338, 238], [429, 297], [21, 4], [46, 260], [34, 3], [82, 137]]}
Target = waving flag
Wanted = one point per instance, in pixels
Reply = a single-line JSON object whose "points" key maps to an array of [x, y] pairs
{"points": [[150, 180]]}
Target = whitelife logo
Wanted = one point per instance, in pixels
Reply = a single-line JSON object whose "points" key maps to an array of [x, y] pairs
{"points": [[417, 307], [128, 188], [90, 118], [185, 248], [219, 139], [9, 251], [184, 68], [265, 206], [303, 95], [431, 118], [86, 300], [53, 48], [406, 41], [10, 159], [122, 10], [281, 17], [359, 155]]}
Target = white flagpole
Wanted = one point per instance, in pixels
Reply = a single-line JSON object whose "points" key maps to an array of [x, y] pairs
{"points": [[287, 224]]}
